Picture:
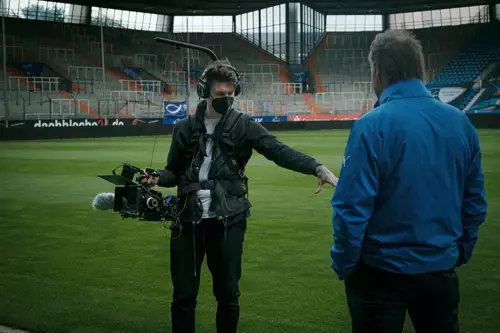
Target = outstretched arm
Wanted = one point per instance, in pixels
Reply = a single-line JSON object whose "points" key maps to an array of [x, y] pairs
{"points": [[271, 148], [286, 157]]}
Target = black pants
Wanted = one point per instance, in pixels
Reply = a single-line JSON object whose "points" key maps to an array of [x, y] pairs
{"points": [[378, 301], [224, 248]]}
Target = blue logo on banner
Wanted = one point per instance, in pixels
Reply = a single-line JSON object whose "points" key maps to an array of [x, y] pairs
{"points": [[299, 77], [31, 68], [434, 92], [172, 111], [270, 119]]}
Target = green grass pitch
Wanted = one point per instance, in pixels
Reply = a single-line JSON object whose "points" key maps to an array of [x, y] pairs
{"points": [[67, 268]]}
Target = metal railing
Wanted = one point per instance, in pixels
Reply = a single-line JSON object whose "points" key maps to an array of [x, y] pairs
{"points": [[286, 88], [153, 86], [175, 76], [96, 47], [63, 107], [245, 105], [146, 60], [30, 83], [337, 55], [14, 52], [340, 102], [363, 86], [83, 73], [263, 68], [132, 95], [62, 54], [257, 78]]}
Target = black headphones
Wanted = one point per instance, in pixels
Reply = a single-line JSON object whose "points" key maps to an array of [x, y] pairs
{"points": [[203, 88]]}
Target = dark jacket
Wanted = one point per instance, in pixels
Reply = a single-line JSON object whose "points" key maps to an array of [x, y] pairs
{"points": [[234, 138], [410, 197]]}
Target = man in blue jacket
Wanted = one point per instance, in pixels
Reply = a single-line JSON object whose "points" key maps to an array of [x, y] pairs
{"points": [[409, 201]]}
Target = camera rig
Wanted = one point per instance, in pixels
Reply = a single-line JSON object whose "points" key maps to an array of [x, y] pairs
{"points": [[137, 200]]}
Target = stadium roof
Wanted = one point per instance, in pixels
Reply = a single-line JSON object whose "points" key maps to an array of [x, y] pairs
{"points": [[230, 7]]}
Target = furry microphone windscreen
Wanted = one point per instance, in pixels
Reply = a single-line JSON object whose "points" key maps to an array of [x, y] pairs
{"points": [[104, 201]]}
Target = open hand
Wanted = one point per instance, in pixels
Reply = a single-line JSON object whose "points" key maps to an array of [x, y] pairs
{"points": [[325, 176]]}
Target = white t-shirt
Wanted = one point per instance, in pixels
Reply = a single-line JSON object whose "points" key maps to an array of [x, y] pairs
{"points": [[204, 195]]}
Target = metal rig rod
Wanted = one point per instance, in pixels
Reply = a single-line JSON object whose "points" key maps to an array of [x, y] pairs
{"points": [[210, 53]]}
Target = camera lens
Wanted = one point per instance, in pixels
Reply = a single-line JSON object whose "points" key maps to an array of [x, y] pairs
{"points": [[151, 203]]}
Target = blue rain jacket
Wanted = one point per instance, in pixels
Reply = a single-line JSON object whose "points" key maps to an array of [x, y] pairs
{"points": [[410, 197]]}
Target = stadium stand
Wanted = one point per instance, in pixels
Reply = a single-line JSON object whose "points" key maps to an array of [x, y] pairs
{"points": [[471, 62], [140, 74], [71, 56], [475, 63], [343, 73], [489, 98]]}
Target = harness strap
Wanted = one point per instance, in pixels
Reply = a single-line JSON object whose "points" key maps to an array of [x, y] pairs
{"points": [[203, 185], [233, 185], [234, 167]]}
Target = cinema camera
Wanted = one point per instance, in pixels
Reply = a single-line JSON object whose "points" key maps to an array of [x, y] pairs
{"points": [[135, 200]]}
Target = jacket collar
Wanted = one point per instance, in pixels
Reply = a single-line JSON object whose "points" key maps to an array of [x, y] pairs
{"points": [[403, 89]]}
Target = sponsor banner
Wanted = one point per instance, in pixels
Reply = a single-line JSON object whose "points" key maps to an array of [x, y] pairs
{"points": [[138, 121], [171, 121], [133, 72], [77, 123], [13, 123], [493, 103], [55, 123], [299, 77], [299, 73], [324, 117], [175, 109], [491, 110], [447, 94], [31, 68], [271, 119]]}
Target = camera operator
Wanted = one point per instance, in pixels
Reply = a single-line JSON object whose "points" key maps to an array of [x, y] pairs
{"points": [[206, 161]]}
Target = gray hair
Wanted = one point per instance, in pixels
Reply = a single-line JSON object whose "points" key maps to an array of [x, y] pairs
{"points": [[398, 56]]}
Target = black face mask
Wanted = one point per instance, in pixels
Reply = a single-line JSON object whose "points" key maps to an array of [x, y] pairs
{"points": [[222, 104]]}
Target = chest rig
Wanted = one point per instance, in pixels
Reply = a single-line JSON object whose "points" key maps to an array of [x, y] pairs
{"points": [[225, 152]]}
